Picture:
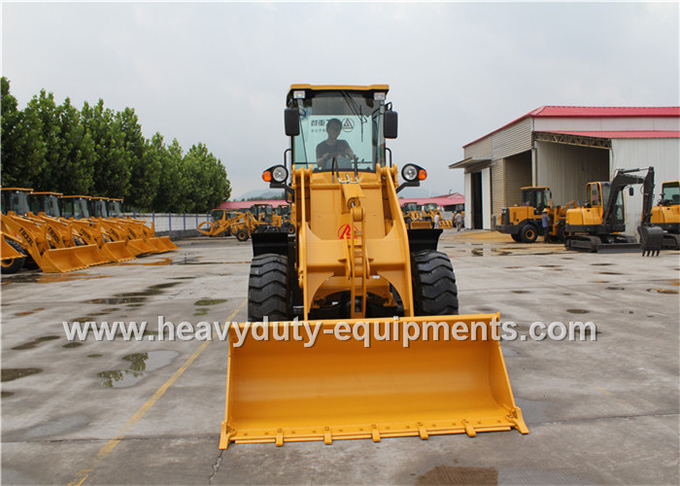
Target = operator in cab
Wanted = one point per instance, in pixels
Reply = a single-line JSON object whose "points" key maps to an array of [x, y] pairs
{"points": [[332, 147]]}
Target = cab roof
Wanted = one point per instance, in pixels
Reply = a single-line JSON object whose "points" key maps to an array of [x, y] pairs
{"points": [[17, 189], [73, 197], [48, 193]]}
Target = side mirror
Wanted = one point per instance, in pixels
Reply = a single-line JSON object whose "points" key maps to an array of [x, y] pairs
{"points": [[291, 118], [631, 191], [390, 126]]}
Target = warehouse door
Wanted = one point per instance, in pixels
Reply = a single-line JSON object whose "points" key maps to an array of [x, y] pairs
{"points": [[477, 210]]}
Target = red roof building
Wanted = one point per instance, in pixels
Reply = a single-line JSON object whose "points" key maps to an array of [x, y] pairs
{"points": [[564, 147]]}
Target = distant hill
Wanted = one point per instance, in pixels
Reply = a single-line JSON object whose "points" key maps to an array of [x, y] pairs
{"points": [[261, 194]]}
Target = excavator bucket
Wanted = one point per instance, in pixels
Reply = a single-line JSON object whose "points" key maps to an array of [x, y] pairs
{"points": [[651, 239], [116, 251], [281, 390], [58, 260]]}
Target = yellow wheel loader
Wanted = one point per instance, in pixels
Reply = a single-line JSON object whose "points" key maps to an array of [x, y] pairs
{"points": [[220, 223], [42, 245], [666, 214], [113, 246], [598, 226], [137, 228], [431, 210], [353, 265], [413, 216], [523, 222]]}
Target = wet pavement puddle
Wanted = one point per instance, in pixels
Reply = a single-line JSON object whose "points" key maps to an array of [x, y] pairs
{"points": [[140, 365]]}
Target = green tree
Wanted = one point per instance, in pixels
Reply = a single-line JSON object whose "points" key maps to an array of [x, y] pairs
{"points": [[111, 177], [146, 176], [170, 196], [206, 180], [70, 150], [23, 149], [142, 179]]}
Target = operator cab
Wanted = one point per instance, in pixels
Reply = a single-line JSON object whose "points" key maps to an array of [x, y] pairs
{"points": [[536, 197], [670, 193], [339, 129], [45, 202], [15, 199], [598, 196], [74, 207]]}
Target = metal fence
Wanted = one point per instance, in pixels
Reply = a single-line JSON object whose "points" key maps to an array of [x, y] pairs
{"points": [[172, 224]]}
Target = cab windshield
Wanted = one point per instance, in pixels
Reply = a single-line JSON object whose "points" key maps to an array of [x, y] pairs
{"points": [[17, 201], [339, 130], [216, 214], [74, 208], [671, 193], [114, 210]]}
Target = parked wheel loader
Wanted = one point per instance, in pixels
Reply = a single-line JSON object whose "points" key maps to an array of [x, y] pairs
{"points": [[666, 214], [137, 228], [413, 216], [42, 245], [523, 222], [353, 263], [111, 240], [431, 210], [77, 232], [220, 224], [598, 226]]}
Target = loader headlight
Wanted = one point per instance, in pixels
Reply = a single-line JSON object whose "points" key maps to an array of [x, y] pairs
{"points": [[409, 172], [279, 173], [412, 172]]}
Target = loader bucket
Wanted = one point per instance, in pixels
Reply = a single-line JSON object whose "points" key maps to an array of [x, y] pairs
{"points": [[116, 251], [90, 255], [166, 242], [7, 252], [139, 246], [280, 390], [59, 260]]}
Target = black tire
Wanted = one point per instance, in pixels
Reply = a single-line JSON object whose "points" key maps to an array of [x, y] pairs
{"points": [[434, 284], [15, 264], [268, 288], [242, 235], [561, 234], [517, 238], [528, 233]]}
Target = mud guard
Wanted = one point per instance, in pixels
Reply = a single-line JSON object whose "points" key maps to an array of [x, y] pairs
{"points": [[423, 239]]}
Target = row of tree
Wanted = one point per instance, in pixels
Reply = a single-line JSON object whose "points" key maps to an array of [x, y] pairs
{"points": [[100, 152]]}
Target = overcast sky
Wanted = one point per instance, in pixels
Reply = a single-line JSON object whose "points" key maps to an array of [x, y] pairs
{"points": [[218, 73]]}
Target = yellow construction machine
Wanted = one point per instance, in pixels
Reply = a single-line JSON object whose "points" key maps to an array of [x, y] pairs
{"points": [[413, 216], [137, 228], [77, 232], [666, 214], [107, 235], [431, 210], [41, 242], [220, 224], [523, 222], [599, 225], [353, 264]]}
